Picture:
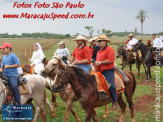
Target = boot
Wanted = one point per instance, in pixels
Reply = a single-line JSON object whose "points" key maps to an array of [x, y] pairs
{"points": [[114, 106]]}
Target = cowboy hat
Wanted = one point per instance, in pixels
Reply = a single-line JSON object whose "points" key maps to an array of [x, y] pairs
{"points": [[130, 35], [103, 37], [61, 42], [80, 38]]}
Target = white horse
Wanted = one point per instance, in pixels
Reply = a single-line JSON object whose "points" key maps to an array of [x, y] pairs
{"points": [[36, 86]]}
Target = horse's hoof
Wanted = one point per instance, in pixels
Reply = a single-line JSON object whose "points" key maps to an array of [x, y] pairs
{"points": [[79, 120], [53, 115], [146, 81], [104, 116], [133, 120]]}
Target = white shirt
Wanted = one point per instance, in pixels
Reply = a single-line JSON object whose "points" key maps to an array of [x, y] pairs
{"points": [[62, 52], [157, 42], [161, 37], [132, 42]]}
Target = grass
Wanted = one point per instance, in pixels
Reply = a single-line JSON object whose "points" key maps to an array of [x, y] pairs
{"points": [[141, 90]]}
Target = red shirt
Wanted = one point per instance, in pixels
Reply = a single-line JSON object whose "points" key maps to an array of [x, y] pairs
{"points": [[81, 54], [91, 50], [105, 54]]}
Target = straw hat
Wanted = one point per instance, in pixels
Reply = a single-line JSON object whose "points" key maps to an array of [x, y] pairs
{"points": [[61, 42], [93, 39], [130, 35], [80, 37], [103, 37]]}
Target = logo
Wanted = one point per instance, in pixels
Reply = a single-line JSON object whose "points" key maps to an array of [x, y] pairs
{"points": [[17, 112]]}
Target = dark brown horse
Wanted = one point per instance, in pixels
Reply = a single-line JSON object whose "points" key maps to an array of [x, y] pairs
{"points": [[148, 57], [128, 58], [85, 89]]}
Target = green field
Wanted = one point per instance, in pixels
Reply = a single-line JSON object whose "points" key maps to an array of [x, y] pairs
{"points": [[144, 108]]}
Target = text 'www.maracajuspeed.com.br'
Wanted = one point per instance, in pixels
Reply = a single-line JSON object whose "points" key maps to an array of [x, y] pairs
{"points": [[45, 16]]}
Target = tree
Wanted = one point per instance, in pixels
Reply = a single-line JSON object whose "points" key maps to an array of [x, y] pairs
{"points": [[107, 32], [142, 16], [90, 29]]}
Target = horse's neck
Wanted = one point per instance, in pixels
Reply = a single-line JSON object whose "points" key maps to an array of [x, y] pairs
{"points": [[125, 54], [144, 51]]}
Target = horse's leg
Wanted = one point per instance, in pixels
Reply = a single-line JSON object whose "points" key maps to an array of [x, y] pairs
{"points": [[51, 108], [123, 66], [129, 93], [68, 108], [139, 65], [36, 114], [54, 100], [41, 103], [147, 74], [130, 66], [123, 108], [150, 73], [75, 115], [106, 112], [88, 115], [94, 116]]}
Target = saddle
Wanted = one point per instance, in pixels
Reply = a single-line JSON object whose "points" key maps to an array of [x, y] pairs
{"points": [[23, 88], [103, 85]]}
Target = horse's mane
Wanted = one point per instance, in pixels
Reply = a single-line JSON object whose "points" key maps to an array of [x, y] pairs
{"points": [[143, 45], [84, 78]]}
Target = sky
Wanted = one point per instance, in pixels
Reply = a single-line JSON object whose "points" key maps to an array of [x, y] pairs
{"points": [[114, 15]]}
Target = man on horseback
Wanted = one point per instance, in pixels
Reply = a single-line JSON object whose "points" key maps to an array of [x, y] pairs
{"points": [[81, 55], [157, 46], [105, 64], [132, 41], [9, 66]]}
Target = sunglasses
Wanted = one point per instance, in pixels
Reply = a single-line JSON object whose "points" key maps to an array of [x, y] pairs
{"points": [[100, 40]]}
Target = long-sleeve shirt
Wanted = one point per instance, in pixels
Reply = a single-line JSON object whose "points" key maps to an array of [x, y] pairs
{"points": [[37, 57], [157, 42]]}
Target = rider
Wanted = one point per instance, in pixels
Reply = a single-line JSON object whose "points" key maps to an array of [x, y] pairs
{"points": [[62, 51], [81, 55], [105, 64], [92, 45], [9, 66], [132, 41], [157, 45], [37, 58]]}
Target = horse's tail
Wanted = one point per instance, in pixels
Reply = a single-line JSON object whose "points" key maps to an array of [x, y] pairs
{"points": [[134, 84]]}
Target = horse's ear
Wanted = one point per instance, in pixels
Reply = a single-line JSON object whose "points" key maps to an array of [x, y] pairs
{"points": [[61, 63], [140, 41]]}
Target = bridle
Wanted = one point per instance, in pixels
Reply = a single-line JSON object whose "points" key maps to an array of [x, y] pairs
{"points": [[63, 72], [52, 68]]}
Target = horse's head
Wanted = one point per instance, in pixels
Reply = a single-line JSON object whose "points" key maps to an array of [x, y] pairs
{"points": [[119, 51], [60, 78], [51, 66], [137, 46]]}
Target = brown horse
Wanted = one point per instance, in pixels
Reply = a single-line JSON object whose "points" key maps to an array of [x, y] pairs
{"points": [[85, 89], [128, 59], [67, 95]]}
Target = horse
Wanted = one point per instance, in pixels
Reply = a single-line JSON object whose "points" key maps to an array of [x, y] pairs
{"points": [[85, 88], [27, 69], [147, 55], [67, 95], [128, 59], [36, 86]]}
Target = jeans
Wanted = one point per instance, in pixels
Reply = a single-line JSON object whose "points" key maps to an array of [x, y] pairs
{"points": [[109, 76], [85, 67], [14, 86]]}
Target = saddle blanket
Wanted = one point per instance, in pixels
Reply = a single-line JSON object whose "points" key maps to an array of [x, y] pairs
{"points": [[23, 89], [103, 85]]}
